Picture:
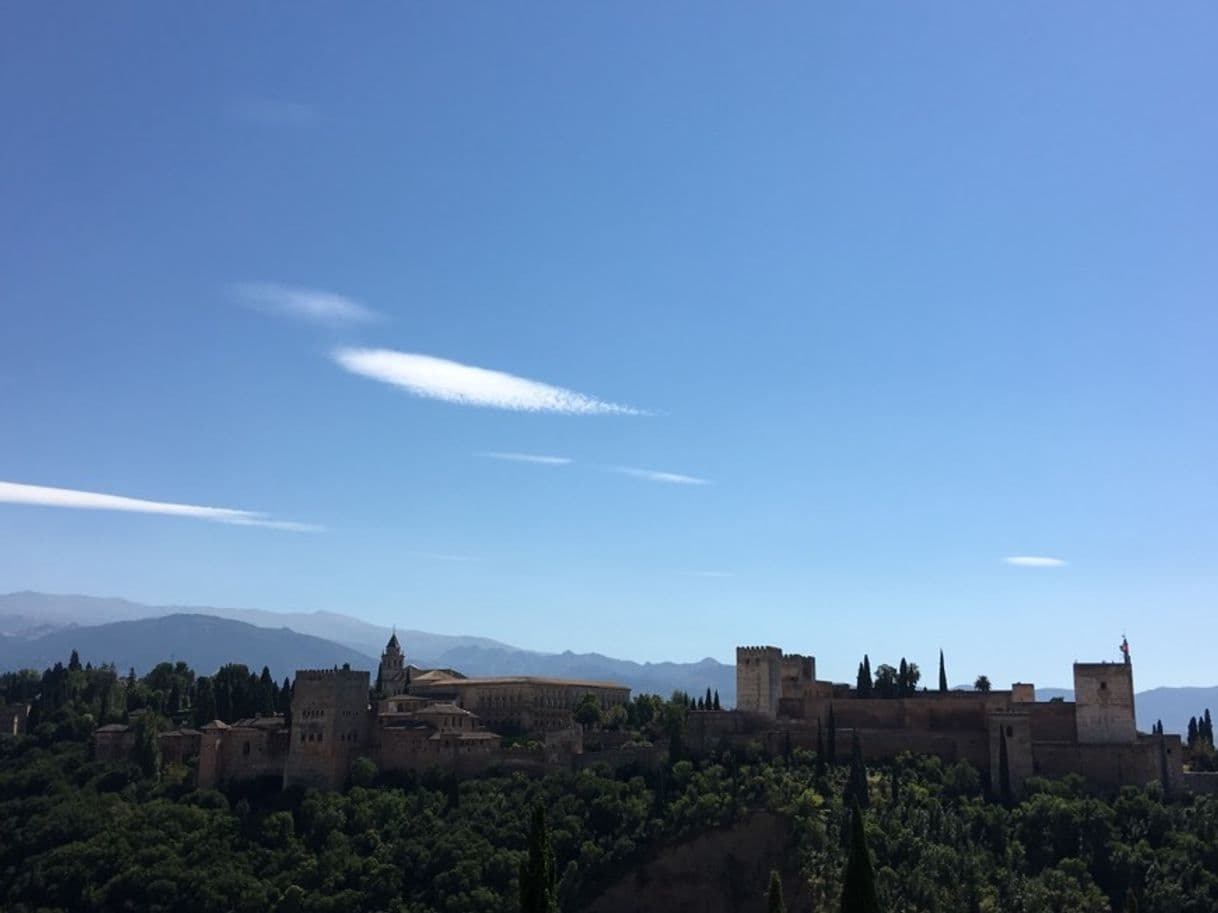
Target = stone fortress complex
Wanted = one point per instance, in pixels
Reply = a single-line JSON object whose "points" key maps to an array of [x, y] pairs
{"points": [[439, 718], [778, 697], [424, 718]]}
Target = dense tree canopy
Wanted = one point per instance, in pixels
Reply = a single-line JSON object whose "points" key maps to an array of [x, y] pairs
{"points": [[83, 835]]}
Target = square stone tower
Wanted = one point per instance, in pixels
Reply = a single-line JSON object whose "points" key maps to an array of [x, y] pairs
{"points": [[759, 679], [1103, 703], [330, 726]]}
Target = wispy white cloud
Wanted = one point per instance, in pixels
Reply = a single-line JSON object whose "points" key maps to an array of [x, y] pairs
{"points": [[654, 475], [303, 303], [451, 381], [44, 496], [269, 112], [527, 458], [1034, 561]]}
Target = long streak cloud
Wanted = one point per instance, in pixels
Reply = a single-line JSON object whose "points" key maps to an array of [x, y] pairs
{"points": [[655, 475], [303, 303], [453, 382], [44, 496], [1034, 561]]}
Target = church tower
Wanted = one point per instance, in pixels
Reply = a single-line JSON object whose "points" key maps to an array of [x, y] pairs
{"points": [[392, 676]]}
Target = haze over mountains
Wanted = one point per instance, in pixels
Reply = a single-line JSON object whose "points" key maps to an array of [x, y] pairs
{"points": [[39, 629]]}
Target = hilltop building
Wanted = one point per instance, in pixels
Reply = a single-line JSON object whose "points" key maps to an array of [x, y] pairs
{"points": [[420, 719], [1095, 735]]}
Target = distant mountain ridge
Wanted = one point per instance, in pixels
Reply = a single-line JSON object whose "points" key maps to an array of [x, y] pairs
{"points": [[205, 642], [35, 627], [39, 629]]}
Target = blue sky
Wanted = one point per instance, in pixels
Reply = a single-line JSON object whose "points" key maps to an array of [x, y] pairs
{"points": [[890, 293]]}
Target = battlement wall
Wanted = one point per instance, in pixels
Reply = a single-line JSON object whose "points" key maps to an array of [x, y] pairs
{"points": [[316, 675]]}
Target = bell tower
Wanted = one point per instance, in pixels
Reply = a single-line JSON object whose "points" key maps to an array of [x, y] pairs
{"points": [[392, 675]]}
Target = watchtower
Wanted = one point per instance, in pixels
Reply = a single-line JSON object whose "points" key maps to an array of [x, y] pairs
{"points": [[1103, 703], [391, 677], [759, 679], [329, 726]]}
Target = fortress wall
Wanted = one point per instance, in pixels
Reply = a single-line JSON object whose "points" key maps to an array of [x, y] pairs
{"points": [[177, 746], [1052, 721], [1201, 783], [250, 753], [950, 746], [1106, 767], [863, 714], [414, 749]]}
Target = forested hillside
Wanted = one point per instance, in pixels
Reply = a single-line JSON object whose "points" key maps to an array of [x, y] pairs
{"points": [[82, 835]]}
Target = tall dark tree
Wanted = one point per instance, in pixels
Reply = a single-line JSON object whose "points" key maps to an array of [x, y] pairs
{"points": [[708, 699], [74, 662], [774, 903], [147, 746], [717, 699], [867, 679], [858, 880], [862, 681], [982, 684], [820, 751], [1192, 731], [205, 701], [538, 889], [285, 697], [1209, 726], [942, 673], [903, 678], [831, 746], [856, 785]]}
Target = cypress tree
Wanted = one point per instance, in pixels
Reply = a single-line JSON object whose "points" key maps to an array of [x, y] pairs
{"points": [[903, 678], [831, 755], [1209, 727], [861, 681], [537, 876], [820, 751], [74, 662], [1192, 731], [858, 880], [708, 699], [716, 698], [147, 747], [942, 673], [867, 675], [856, 785], [775, 903]]}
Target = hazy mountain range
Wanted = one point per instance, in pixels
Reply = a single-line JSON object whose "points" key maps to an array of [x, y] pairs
{"points": [[39, 629]]}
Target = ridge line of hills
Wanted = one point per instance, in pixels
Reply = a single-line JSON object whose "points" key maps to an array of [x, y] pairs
{"points": [[39, 629]]}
